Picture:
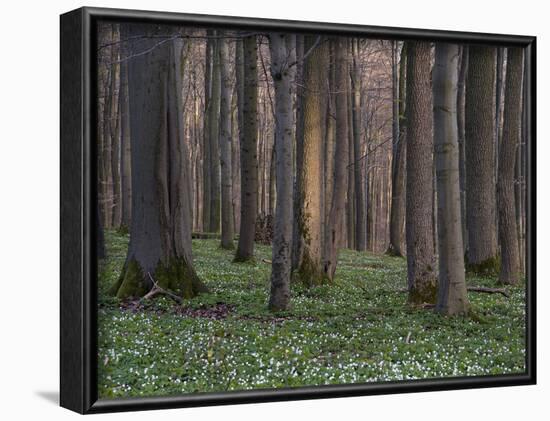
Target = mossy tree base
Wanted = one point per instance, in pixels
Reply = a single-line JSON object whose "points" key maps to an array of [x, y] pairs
{"points": [[244, 259], [177, 277], [489, 267], [310, 273], [423, 292]]}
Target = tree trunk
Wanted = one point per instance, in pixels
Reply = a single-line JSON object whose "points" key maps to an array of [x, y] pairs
{"points": [[283, 53], [510, 271], [310, 270], [297, 241], [249, 155], [206, 156], [461, 99], [397, 211], [422, 280], [360, 218], [452, 296], [214, 135], [338, 204], [160, 236], [125, 161], [480, 163], [227, 235]]}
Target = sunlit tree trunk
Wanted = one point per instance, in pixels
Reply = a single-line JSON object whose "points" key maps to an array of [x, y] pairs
{"points": [[452, 296], [214, 135], [310, 270]]}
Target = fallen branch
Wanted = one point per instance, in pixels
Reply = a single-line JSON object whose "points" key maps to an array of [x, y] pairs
{"points": [[478, 289], [489, 290], [267, 261], [156, 290]]}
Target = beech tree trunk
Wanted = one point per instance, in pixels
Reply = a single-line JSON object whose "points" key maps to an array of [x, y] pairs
{"points": [[460, 111], [360, 217], [310, 220], [334, 230], [206, 156], [227, 234], [397, 210], [480, 162], [283, 55], [214, 135], [125, 157], [510, 270], [421, 274], [452, 296], [160, 237], [249, 155]]}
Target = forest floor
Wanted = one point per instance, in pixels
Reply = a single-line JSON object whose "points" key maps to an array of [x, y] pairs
{"points": [[358, 330]]}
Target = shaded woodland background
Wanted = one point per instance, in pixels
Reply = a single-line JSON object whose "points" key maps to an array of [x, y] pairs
{"points": [[354, 145]]}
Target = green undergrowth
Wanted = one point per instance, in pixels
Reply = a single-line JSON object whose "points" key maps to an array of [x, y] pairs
{"points": [[358, 330]]}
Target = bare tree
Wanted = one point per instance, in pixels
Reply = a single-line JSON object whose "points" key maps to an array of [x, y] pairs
{"points": [[510, 270], [283, 55], [421, 273], [452, 296], [249, 155], [160, 236], [480, 159], [334, 229], [310, 218], [225, 147]]}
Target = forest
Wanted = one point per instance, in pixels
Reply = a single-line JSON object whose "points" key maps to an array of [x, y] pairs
{"points": [[294, 209]]}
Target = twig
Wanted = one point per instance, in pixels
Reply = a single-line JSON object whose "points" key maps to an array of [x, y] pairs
{"points": [[159, 290]]}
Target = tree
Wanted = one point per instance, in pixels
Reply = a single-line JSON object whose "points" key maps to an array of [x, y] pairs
{"points": [[421, 275], [160, 235], [480, 160], [283, 58], [214, 139], [360, 219], [249, 155], [510, 270], [125, 156], [397, 211], [461, 100], [310, 218], [225, 148], [206, 156], [452, 295], [334, 229]]}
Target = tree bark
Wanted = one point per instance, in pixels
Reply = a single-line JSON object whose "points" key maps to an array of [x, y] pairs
{"points": [[360, 218], [452, 296], [397, 210], [214, 135], [125, 161], [480, 163], [283, 54], [461, 100], [422, 280], [160, 236], [334, 229], [249, 155], [206, 156], [310, 270], [510, 271], [227, 234]]}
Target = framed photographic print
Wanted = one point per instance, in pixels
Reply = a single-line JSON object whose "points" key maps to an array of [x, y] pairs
{"points": [[256, 210]]}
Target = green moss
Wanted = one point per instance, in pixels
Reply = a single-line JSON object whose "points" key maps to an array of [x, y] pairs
{"points": [[310, 273], [179, 277], [489, 267], [132, 281], [424, 290]]}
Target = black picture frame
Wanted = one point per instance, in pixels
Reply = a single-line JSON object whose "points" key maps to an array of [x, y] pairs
{"points": [[78, 369]]}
